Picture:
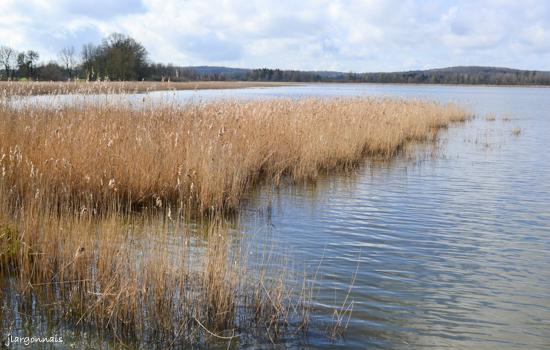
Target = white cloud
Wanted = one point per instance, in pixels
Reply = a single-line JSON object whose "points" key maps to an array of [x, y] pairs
{"points": [[359, 35]]}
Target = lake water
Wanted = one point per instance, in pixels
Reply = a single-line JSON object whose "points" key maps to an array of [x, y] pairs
{"points": [[451, 248]]}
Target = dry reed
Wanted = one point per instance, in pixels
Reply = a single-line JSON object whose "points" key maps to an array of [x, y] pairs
{"points": [[516, 131], [491, 117], [70, 175], [202, 155], [129, 278], [14, 88]]}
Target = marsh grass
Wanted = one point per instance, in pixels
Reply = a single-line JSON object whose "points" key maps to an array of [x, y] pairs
{"points": [[13, 88], [127, 277], [491, 117], [81, 184], [516, 131], [204, 156]]}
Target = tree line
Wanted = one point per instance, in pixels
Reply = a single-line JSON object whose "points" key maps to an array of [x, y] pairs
{"points": [[119, 57], [458, 76]]}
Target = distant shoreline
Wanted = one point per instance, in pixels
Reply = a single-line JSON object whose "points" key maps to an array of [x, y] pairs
{"points": [[427, 84], [27, 88]]}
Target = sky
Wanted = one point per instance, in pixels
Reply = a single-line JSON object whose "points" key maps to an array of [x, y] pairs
{"points": [[342, 35]]}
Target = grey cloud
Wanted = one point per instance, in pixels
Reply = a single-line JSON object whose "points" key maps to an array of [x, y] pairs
{"points": [[291, 26], [459, 28], [211, 47]]}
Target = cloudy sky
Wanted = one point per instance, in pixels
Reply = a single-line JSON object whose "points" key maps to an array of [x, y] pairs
{"points": [[361, 35]]}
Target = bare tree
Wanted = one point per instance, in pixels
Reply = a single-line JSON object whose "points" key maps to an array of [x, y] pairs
{"points": [[68, 58], [7, 59]]}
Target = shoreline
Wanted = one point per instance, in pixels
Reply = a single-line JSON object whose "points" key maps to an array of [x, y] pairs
{"points": [[438, 85], [36, 88]]}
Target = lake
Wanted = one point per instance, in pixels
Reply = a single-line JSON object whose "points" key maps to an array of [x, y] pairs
{"points": [[448, 248]]}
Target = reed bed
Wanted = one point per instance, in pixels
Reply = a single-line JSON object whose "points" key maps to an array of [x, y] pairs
{"points": [[29, 88], [491, 117], [132, 280], [204, 156], [72, 178]]}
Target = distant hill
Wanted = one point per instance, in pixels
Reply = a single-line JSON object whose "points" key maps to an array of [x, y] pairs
{"points": [[448, 75], [228, 72], [471, 70], [242, 72]]}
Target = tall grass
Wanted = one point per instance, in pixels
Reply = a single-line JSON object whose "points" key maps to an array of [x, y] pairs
{"points": [[202, 155], [133, 279], [71, 178], [14, 88]]}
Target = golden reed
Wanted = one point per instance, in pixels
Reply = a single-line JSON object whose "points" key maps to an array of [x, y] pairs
{"points": [[71, 177], [201, 155], [16, 88]]}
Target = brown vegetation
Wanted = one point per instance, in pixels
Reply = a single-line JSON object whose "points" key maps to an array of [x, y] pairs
{"points": [[70, 176], [13, 88], [491, 117], [128, 277], [202, 156]]}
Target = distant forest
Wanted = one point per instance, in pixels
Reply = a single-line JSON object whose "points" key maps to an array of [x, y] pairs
{"points": [[121, 58], [452, 75]]}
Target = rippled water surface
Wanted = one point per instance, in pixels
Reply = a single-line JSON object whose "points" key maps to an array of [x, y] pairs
{"points": [[451, 248]]}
